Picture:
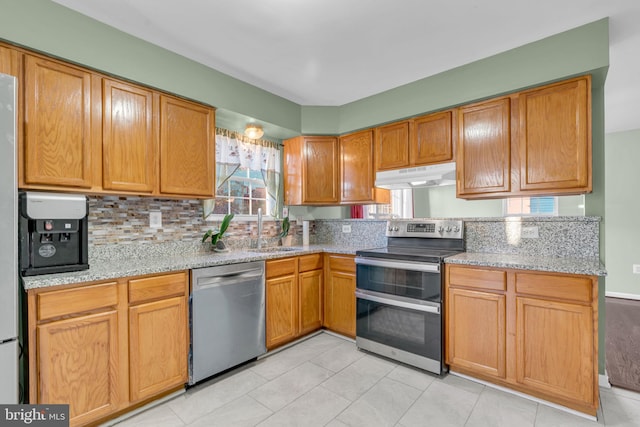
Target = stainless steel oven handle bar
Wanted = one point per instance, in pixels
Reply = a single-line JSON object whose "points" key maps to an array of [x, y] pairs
{"points": [[396, 302], [400, 265]]}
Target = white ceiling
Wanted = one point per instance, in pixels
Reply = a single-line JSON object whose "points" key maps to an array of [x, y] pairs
{"points": [[331, 52]]}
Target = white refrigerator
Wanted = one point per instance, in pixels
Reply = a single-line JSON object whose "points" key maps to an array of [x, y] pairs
{"points": [[9, 280]]}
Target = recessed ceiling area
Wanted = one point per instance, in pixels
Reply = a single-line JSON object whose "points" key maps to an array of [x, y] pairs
{"points": [[332, 52]]}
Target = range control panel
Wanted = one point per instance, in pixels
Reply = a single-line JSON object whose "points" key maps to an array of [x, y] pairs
{"points": [[426, 228]]}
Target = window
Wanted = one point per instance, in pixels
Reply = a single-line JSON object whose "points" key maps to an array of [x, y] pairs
{"points": [[247, 176], [243, 193], [401, 206], [531, 206]]}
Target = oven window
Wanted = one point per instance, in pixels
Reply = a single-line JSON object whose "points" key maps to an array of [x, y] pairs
{"points": [[409, 330], [411, 284]]}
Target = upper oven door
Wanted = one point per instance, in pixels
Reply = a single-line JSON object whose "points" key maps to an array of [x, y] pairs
{"points": [[404, 278]]}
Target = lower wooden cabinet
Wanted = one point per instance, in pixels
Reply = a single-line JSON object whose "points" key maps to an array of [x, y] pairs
{"points": [[103, 347], [158, 335], [534, 332], [340, 294], [294, 298]]}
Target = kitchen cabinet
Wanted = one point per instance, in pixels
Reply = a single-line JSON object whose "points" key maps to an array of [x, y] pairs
{"points": [[357, 174], [187, 148], [311, 170], [431, 139], [158, 334], [10, 61], [476, 315], [294, 298], [77, 341], [555, 137], [339, 294], [392, 146], [534, 142], [484, 151], [91, 133], [58, 129], [534, 332], [104, 347], [128, 137]]}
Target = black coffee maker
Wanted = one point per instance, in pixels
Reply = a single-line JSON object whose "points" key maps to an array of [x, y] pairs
{"points": [[52, 232]]}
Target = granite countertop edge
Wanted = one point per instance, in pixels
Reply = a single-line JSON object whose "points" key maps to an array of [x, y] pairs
{"points": [[581, 266], [100, 270]]}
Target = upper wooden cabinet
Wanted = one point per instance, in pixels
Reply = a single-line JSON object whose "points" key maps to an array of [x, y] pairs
{"points": [[311, 170], [187, 148], [128, 137], [431, 139], [535, 142], [555, 137], [81, 131], [484, 151], [392, 146], [357, 174], [57, 124]]}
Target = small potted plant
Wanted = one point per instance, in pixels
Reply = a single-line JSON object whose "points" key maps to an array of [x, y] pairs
{"points": [[216, 236], [285, 239]]}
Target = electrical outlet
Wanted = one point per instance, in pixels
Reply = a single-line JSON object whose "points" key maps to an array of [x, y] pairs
{"points": [[346, 228], [285, 212], [636, 268], [155, 219], [529, 233]]}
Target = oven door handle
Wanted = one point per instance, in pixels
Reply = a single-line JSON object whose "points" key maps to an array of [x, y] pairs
{"points": [[412, 266], [396, 302]]}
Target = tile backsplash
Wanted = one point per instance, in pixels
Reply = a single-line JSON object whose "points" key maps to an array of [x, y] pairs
{"points": [[114, 219]]}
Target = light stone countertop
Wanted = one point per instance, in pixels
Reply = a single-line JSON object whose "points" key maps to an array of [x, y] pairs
{"points": [[144, 263], [583, 266]]}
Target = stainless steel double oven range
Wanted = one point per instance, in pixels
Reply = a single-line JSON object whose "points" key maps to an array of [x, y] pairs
{"points": [[400, 288]]}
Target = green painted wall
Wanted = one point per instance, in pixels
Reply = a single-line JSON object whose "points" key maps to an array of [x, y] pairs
{"points": [[623, 211]]}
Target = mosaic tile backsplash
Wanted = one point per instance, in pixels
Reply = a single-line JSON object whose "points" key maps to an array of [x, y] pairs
{"points": [[125, 220]]}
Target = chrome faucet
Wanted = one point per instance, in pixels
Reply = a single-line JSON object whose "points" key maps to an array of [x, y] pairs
{"points": [[259, 228]]}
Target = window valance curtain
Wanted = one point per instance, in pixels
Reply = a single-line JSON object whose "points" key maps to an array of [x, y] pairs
{"points": [[234, 150]]}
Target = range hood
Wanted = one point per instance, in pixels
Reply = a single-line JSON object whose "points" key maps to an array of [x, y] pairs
{"points": [[421, 176]]}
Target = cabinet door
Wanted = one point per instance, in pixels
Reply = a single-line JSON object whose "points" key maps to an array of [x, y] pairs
{"points": [[484, 153], [187, 148], [310, 289], [555, 351], [431, 140], [320, 171], [282, 310], [78, 362], [356, 172], [157, 347], [555, 137], [57, 134], [475, 331], [340, 295], [128, 137], [392, 146]]}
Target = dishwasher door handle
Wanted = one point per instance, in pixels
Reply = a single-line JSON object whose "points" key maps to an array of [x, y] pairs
{"points": [[227, 279]]}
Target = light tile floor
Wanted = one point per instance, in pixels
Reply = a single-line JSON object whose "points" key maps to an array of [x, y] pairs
{"points": [[326, 381]]}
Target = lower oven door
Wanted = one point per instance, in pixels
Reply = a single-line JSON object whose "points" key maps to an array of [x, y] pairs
{"points": [[400, 328]]}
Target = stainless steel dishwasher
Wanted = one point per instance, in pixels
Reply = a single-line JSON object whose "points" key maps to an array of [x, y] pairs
{"points": [[226, 318]]}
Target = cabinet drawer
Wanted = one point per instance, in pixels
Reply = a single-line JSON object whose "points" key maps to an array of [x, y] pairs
{"points": [[157, 287], [309, 262], [576, 288], [479, 278], [342, 263], [77, 300], [281, 267]]}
